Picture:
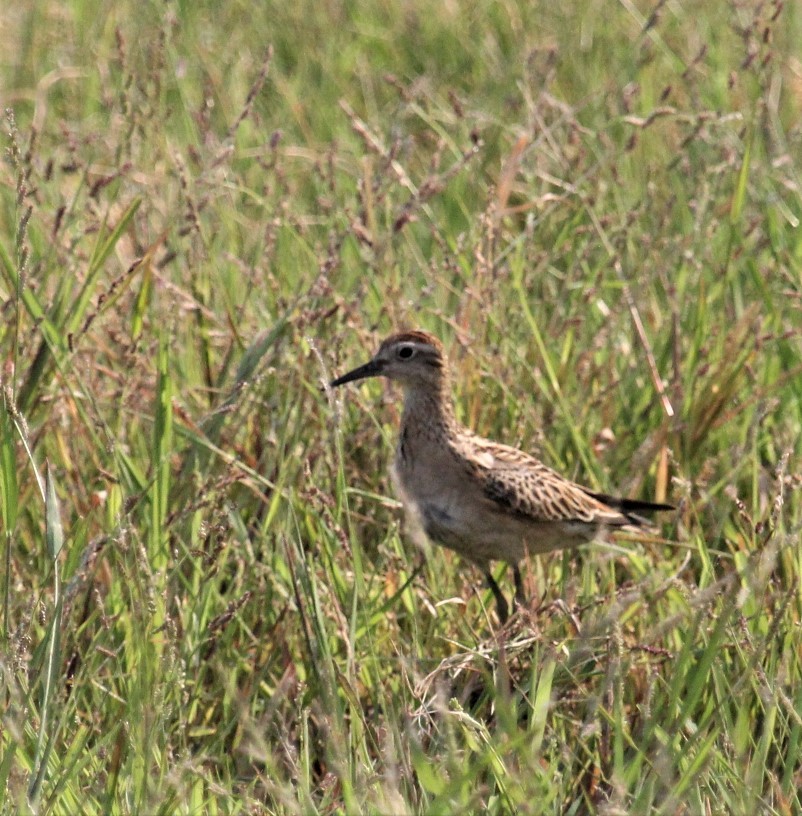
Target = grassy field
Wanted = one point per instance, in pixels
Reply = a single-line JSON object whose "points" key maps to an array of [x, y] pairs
{"points": [[209, 603]]}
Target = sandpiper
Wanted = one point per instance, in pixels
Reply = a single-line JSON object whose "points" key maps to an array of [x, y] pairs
{"points": [[482, 499]]}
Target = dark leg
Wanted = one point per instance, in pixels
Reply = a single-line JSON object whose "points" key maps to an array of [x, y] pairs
{"points": [[520, 597], [501, 601]]}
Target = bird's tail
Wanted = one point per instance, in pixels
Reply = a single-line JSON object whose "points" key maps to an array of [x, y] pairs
{"points": [[631, 508]]}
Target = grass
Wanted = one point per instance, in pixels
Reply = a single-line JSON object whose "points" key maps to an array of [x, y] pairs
{"points": [[209, 603]]}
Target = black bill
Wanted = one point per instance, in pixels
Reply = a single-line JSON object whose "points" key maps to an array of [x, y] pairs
{"points": [[371, 369]]}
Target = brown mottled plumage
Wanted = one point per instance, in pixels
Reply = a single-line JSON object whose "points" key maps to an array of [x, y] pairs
{"points": [[484, 500]]}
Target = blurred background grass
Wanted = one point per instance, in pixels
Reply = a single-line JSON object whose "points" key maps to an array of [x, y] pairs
{"points": [[206, 211]]}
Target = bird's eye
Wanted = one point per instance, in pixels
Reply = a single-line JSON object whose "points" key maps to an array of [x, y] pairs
{"points": [[405, 352]]}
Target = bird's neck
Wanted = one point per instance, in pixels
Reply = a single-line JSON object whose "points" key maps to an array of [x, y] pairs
{"points": [[429, 409]]}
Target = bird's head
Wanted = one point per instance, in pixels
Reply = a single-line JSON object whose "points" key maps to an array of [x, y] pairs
{"points": [[413, 358]]}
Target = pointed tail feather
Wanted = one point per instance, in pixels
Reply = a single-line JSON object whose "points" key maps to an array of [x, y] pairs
{"points": [[631, 507]]}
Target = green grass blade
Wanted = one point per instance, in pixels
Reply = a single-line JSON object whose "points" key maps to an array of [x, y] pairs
{"points": [[162, 447], [141, 303], [103, 248], [739, 194], [52, 664], [55, 533], [8, 499]]}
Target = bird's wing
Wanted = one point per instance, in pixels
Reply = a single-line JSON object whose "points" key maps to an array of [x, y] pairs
{"points": [[518, 483]]}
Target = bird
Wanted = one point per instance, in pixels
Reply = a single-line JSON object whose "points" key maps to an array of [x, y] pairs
{"points": [[482, 499]]}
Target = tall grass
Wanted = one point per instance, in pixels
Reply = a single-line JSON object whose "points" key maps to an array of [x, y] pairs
{"points": [[206, 211]]}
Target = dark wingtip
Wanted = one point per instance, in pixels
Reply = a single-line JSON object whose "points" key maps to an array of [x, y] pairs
{"points": [[631, 507], [635, 505]]}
